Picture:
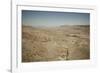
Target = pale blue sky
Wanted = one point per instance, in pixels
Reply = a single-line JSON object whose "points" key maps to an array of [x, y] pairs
{"points": [[48, 18]]}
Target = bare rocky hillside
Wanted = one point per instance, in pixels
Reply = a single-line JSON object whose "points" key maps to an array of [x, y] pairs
{"points": [[55, 43]]}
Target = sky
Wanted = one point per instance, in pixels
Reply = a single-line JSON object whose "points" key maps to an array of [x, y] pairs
{"points": [[48, 18]]}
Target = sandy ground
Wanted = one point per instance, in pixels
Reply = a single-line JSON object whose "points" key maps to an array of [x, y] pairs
{"points": [[55, 43]]}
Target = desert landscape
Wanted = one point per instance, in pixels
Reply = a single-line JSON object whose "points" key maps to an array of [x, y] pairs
{"points": [[63, 43]]}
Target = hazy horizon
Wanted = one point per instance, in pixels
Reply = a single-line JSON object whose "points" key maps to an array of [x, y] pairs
{"points": [[51, 19]]}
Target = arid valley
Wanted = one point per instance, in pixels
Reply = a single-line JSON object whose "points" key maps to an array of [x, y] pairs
{"points": [[55, 43]]}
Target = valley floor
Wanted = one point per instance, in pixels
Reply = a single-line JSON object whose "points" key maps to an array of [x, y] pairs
{"points": [[55, 44]]}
